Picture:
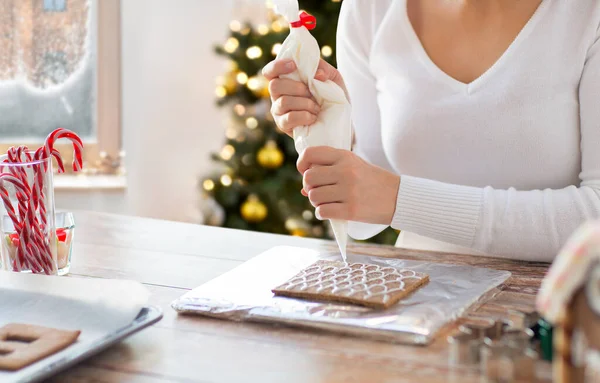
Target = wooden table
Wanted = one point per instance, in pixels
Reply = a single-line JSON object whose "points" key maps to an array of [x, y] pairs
{"points": [[171, 258]]}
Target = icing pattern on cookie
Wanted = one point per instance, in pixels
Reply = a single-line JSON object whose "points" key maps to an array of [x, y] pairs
{"points": [[351, 280]]}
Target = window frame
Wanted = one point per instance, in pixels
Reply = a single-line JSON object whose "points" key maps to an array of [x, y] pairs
{"points": [[108, 142]]}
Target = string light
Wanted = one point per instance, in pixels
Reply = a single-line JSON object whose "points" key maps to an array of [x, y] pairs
{"points": [[239, 109], [277, 26], [251, 123], [269, 4], [307, 215], [276, 49], [227, 152], [242, 78], [208, 185], [221, 91], [263, 29], [254, 83], [326, 51], [235, 25], [245, 31], [231, 45], [253, 52], [231, 133], [231, 66], [226, 180]]}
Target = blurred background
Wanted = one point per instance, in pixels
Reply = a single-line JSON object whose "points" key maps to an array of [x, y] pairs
{"points": [[169, 99]]}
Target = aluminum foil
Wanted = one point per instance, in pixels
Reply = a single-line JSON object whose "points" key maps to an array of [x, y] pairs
{"points": [[244, 294]]}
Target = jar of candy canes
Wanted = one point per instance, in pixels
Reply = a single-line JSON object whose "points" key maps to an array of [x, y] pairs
{"points": [[30, 240], [27, 211]]}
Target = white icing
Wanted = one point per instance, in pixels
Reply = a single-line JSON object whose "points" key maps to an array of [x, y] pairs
{"points": [[350, 280]]}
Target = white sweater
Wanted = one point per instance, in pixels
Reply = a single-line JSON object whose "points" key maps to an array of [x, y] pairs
{"points": [[507, 165]]}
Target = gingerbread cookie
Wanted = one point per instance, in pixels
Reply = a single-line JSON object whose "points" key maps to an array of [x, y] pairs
{"points": [[356, 283], [22, 344]]}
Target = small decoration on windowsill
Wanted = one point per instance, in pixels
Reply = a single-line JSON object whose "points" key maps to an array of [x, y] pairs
{"points": [[569, 299], [107, 165]]}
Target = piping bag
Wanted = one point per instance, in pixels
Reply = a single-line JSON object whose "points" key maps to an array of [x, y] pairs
{"points": [[334, 123]]}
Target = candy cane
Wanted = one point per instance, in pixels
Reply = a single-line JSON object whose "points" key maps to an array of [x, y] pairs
{"points": [[31, 232], [33, 248], [74, 138], [24, 190]]}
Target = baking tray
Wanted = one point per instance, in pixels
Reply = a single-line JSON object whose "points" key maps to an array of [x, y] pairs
{"points": [[77, 353]]}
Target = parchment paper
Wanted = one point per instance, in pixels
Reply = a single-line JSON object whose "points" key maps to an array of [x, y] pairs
{"points": [[97, 307]]}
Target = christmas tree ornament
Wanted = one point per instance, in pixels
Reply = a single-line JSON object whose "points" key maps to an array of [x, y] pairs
{"points": [[270, 156], [334, 125], [253, 210], [229, 82]]}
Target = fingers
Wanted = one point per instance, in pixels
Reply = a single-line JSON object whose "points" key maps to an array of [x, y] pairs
{"points": [[319, 176], [288, 104], [325, 195], [331, 211], [289, 121], [291, 112], [285, 87], [277, 68], [317, 155], [326, 71]]}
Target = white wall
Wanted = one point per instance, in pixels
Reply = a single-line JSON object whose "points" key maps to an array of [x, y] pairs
{"points": [[170, 121]]}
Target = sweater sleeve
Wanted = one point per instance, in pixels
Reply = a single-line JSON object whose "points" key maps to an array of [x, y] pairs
{"points": [[531, 224], [356, 29]]}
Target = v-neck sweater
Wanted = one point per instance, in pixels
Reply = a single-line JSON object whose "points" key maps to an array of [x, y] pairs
{"points": [[507, 165]]}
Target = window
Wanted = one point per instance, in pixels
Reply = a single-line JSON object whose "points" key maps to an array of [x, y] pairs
{"points": [[55, 5], [61, 71]]}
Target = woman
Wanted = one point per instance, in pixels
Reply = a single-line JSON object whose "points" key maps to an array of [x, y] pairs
{"points": [[477, 123]]}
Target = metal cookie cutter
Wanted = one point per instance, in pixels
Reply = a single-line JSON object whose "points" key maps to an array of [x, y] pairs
{"points": [[464, 346], [521, 319], [463, 349], [497, 363], [479, 327], [510, 357]]}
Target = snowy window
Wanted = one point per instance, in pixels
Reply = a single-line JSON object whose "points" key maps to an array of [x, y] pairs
{"points": [[55, 5], [52, 71]]}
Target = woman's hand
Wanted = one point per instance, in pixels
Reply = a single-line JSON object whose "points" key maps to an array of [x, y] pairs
{"points": [[293, 104], [342, 185]]}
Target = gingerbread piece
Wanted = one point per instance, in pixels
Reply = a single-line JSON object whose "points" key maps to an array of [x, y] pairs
{"points": [[356, 283], [23, 344]]}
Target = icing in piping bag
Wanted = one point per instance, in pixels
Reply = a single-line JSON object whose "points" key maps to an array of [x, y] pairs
{"points": [[334, 125]]}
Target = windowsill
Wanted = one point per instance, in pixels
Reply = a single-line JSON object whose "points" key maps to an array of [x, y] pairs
{"points": [[89, 183]]}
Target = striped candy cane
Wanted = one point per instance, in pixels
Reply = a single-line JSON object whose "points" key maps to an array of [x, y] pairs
{"points": [[25, 191], [33, 249], [22, 155], [74, 138]]}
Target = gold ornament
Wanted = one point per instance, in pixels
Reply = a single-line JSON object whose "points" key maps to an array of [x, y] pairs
{"points": [[298, 233], [270, 156], [253, 210], [230, 83]]}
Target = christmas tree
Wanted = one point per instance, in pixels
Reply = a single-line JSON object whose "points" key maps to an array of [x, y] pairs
{"points": [[257, 187]]}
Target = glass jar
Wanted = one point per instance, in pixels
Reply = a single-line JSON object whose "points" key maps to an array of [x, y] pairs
{"points": [[27, 217]]}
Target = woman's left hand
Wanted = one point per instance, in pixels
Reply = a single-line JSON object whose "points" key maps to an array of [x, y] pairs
{"points": [[341, 185]]}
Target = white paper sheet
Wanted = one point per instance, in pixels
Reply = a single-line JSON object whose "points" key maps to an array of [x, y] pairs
{"points": [[96, 307]]}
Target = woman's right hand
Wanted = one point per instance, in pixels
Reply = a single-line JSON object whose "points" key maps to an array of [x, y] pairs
{"points": [[293, 104]]}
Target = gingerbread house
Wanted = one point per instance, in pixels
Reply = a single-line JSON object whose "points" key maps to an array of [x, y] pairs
{"points": [[569, 299]]}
